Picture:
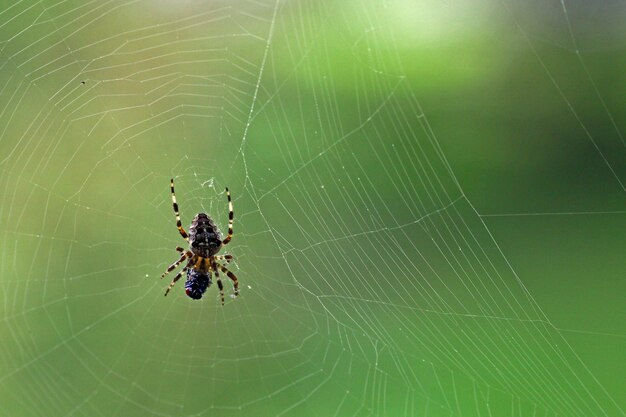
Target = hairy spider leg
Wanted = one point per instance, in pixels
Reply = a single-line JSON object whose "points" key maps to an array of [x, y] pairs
{"points": [[225, 258], [219, 283], [177, 277], [230, 219], [201, 264], [178, 262], [178, 222], [230, 275]]}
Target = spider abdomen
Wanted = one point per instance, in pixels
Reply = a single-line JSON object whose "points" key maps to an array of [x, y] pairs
{"points": [[204, 237]]}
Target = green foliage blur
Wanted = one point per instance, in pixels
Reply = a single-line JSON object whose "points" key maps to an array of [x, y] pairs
{"points": [[370, 146]]}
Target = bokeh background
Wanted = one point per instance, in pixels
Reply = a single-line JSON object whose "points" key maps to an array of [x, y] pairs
{"points": [[429, 207]]}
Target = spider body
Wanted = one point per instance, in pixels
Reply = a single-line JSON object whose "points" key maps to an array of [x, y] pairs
{"points": [[204, 237], [205, 242]]}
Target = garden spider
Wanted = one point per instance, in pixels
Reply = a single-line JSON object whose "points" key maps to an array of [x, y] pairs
{"points": [[204, 243]]}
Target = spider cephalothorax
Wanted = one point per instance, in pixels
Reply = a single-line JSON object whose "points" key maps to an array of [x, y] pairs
{"points": [[205, 241]]}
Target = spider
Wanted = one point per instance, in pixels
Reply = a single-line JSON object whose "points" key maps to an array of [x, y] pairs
{"points": [[205, 242]]}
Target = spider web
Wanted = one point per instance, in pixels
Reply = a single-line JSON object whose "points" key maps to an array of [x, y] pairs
{"points": [[396, 251]]}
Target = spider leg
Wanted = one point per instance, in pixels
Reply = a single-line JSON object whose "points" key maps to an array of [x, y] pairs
{"points": [[230, 219], [176, 278], [219, 283], [230, 275], [175, 264], [179, 225], [225, 258]]}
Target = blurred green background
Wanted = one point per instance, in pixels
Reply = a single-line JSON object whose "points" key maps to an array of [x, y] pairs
{"points": [[429, 207]]}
